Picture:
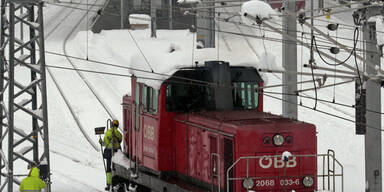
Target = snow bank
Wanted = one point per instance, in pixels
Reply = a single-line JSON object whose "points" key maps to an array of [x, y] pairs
{"points": [[120, 159], [258, 9]]}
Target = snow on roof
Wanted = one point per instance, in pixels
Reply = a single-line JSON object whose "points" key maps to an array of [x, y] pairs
{"points": [[256, 8], [188, 1], [169, 52], [380, 27]]}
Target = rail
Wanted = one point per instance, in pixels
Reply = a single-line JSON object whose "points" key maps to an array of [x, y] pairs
{"points": [[329, 175], [60, 89]]}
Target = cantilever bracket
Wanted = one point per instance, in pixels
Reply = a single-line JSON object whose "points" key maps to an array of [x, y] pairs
{"points": [[361, 16]]}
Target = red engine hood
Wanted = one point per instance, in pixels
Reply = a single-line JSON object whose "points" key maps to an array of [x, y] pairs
{"points": [[234, 119]]}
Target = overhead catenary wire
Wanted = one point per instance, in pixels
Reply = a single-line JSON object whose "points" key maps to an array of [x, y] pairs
{"points": [[327, 113], [207, 84], [220, 19], [141, 51], [355, 33], [322, 100], [265, 38]]}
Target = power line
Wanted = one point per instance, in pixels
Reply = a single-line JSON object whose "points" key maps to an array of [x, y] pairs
{"points": [[355, 33], [207, 84], [321, 100], [326, 113], [141, 51]]}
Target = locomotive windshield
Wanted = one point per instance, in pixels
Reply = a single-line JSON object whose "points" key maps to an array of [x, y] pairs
{"points": [[187, 97], [213, 87]]}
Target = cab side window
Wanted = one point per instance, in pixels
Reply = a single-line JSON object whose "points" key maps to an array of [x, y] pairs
{"points": [[150, 99], [245, 95]]}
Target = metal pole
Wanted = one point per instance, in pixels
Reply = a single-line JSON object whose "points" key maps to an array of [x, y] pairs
{"points": [[373, 100], [44, 93], [2, 71], [153, 18], [290, 62], [321, 4], [11, 82], [122, 15], [34, 94], [206, 36], [311, 59], [170, 12]]}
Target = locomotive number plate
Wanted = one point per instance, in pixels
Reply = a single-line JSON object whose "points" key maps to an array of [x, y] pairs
{"points": [[272, 183], [265, 183], [289, 182]]}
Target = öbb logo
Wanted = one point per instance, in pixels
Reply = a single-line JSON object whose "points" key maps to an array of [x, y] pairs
{"points": [[277, 162]]}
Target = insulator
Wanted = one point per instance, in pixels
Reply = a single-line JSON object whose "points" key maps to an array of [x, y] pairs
{"points": [[333, 26], [328, 15], [334, 50]]}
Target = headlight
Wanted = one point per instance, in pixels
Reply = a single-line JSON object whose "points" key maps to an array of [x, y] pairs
{"points": [[278, 140], [308, 181], [248, 183]]}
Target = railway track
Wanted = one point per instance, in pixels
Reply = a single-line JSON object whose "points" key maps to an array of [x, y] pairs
{"points": [[60, 89]]}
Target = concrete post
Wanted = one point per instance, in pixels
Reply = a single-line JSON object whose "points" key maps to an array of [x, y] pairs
{"points": [[289, 62], [170, 14], [206, 26], [153, 18], [373, 162]]}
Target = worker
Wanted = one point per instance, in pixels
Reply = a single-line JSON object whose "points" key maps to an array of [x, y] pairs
{"points": [[112, 140], [32, 183]]}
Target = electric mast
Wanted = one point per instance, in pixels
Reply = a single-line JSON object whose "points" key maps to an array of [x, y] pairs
{"points": [[22, 96]]}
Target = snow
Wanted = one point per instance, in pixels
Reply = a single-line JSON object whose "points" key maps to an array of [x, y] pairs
{"points": [[121, 159], [268, 61], [23, 149], [188, 1], [157, 53], [380, 27], [256, 8], [139, 19]]}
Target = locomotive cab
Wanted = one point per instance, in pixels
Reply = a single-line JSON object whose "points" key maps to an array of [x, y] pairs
{"points": [[205, 130]]}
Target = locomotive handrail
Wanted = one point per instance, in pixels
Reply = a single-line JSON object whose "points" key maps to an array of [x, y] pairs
{"points": [[219, 170], [330, 154]]}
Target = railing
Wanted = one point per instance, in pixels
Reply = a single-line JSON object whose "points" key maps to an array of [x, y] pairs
{"points": [[328, 175], [216, 171]]}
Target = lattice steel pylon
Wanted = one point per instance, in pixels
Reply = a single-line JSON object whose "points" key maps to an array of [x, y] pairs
{"points": [[23, 91]]}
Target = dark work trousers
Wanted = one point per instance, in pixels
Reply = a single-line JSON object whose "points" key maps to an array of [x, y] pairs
{"points": [[108, 156]]}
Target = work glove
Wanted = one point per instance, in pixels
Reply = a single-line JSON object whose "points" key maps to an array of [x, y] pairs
{"points": [[100, 141]]}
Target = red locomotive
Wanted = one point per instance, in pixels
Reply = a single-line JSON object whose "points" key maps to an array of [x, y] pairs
{"points": [[205, 130]]}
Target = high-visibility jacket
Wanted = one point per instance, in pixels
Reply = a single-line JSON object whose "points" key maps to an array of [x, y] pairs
{"points": [[32, 183], [116, 137]]}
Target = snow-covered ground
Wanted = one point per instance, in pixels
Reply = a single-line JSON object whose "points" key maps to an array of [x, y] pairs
{"points": [[77, 166]]}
